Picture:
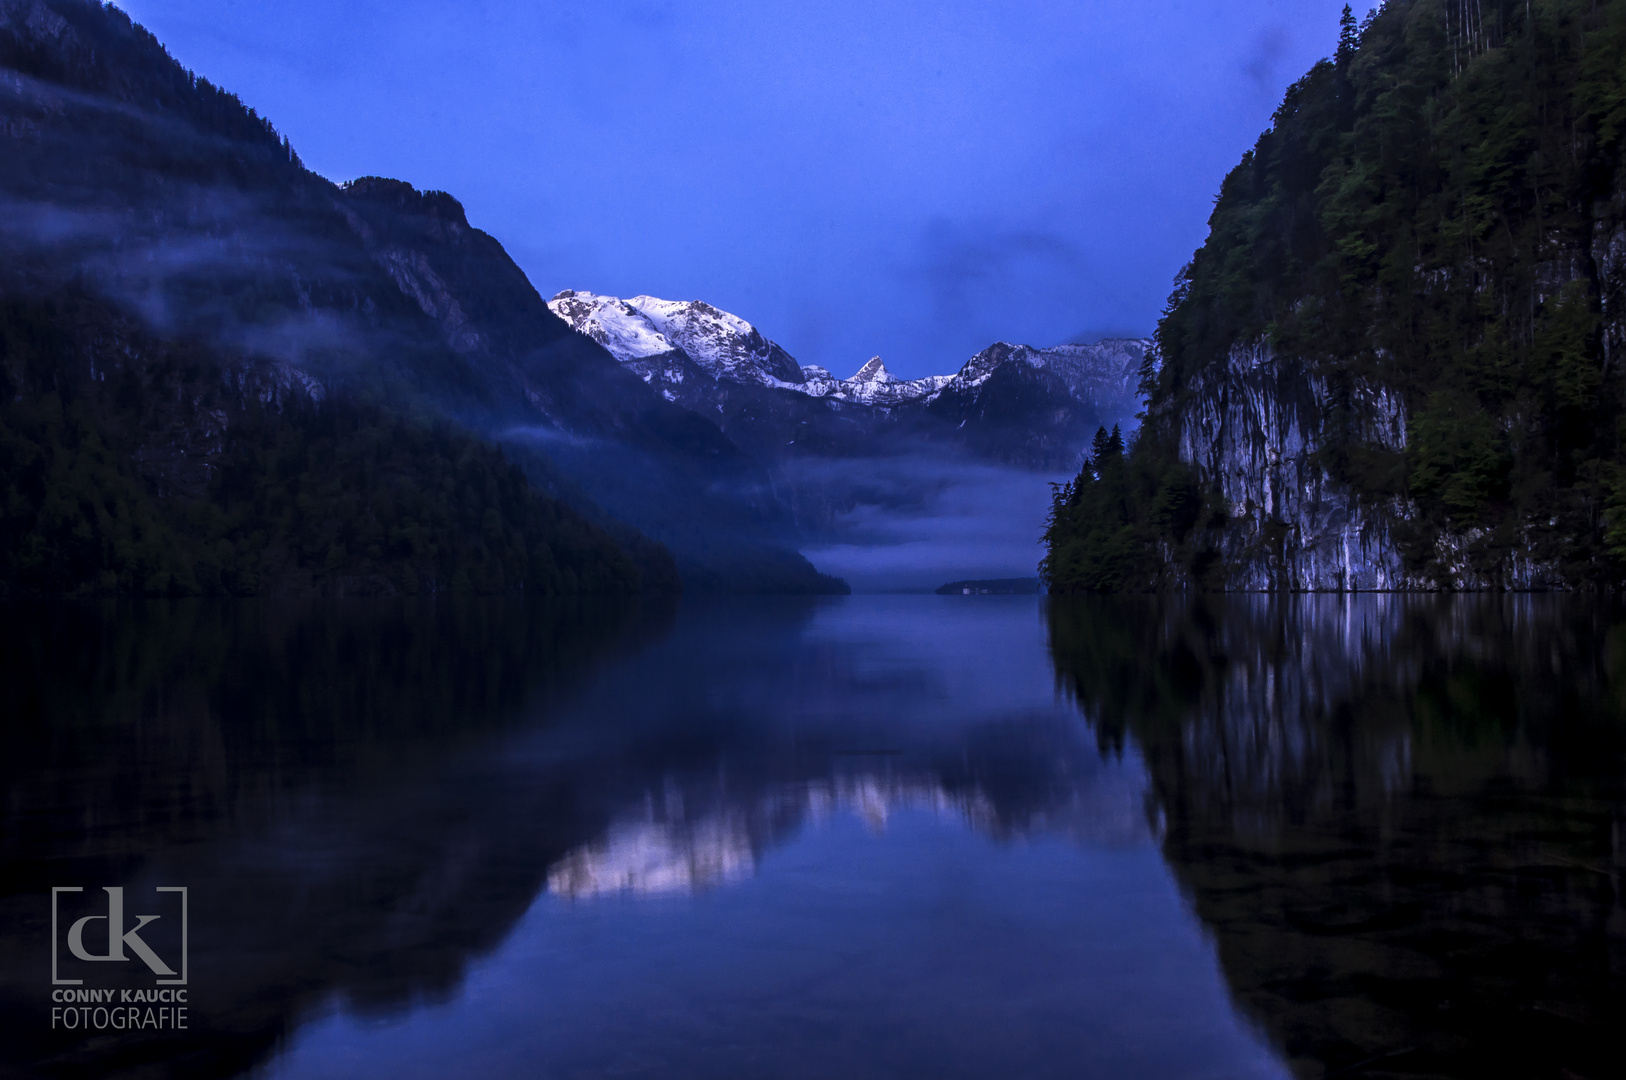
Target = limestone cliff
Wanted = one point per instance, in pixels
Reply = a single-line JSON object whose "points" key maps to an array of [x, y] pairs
{"points": [[1252, 430], [1394, 363]]}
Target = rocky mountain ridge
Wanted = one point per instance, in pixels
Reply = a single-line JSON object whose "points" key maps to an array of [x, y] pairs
{"points": [[871, 384], [1013, 403]]}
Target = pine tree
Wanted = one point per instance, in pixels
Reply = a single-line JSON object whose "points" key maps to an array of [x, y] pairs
{"points": [[1348, 37], [1101, 445]]}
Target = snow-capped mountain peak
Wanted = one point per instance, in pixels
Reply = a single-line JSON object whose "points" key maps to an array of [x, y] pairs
{"points": [[666, 341], [873, 371], [724, 345], [626, 332], [874, 385]]}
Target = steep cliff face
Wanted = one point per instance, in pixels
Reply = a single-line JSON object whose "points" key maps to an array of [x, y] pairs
{"points": [[1395, 362], [1253, 431]]}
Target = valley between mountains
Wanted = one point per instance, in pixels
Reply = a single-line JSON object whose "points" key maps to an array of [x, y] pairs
{"points": [[1393, 364], [226, 374]]}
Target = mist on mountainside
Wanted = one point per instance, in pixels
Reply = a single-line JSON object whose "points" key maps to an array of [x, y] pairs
{"points": [[225, 277], [221, 274]]}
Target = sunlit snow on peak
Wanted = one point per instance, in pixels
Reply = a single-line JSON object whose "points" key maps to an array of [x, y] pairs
{"points": [[730, 349]]}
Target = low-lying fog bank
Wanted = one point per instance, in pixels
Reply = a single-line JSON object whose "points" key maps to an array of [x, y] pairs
{"points": [[909, 524]]}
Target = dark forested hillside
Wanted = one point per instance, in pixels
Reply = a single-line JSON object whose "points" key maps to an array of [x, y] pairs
{"points": [[1415, 283], [132, 465], [137, 187]]}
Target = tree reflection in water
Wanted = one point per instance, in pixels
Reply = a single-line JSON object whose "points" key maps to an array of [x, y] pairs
{"points": [[1403, 818]]}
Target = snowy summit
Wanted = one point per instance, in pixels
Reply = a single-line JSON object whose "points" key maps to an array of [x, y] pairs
{"points": [[654, 336]]}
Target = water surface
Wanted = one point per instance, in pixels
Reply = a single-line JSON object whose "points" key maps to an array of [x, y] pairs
{"points": [[867, 836]]}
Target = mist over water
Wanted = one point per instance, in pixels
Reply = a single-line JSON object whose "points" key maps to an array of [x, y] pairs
{"points": [[910, 524]]}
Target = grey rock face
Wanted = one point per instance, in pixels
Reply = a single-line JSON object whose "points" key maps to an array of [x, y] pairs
{"points": [[1105, 372], [1251, 430]]}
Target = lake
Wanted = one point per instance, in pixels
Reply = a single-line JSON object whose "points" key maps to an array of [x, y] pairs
{"points": [[870, 836]]}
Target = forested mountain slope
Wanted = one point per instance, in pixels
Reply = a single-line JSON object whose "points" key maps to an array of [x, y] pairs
{"points": [[132, 465], [1396, 362], [186, 227]]}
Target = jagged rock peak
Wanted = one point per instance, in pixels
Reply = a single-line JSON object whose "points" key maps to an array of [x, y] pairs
{"points": [[874, 371], [647, 333]]}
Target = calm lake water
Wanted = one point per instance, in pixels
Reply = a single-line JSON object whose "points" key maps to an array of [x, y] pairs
{"points": [[910, 836]]}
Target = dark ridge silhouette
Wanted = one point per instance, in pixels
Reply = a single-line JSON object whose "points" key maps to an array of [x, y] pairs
{"points": [[131, 186]]}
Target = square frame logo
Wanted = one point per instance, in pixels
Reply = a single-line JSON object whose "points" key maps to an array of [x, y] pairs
{"points": [[123, 946]]}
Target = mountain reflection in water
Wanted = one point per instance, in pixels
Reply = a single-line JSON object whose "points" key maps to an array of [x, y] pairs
{"points": [[859, 837], [1401, 817], [870, 837], [665, 851]]}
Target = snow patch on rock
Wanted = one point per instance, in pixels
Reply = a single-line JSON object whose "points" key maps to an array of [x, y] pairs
{"points": [[729, 348], [724, 345]]}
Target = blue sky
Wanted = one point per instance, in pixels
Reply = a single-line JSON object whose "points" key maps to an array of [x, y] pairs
{"points": [[912, 179]]}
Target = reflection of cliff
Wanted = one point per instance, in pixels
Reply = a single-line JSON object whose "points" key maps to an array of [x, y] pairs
{"points": [[1404, 819]]}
